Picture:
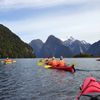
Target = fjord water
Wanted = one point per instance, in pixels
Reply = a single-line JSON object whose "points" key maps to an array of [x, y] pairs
{"points": [[25, 80]]}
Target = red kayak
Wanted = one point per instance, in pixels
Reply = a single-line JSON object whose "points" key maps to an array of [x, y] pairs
{"points": [[97, 59], [67, 68], [90, 90]]}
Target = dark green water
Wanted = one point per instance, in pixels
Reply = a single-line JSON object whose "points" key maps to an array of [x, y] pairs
{"points": [[25, 80]]}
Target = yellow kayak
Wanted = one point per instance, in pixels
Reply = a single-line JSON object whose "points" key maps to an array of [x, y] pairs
{"points": [[41, 61]]}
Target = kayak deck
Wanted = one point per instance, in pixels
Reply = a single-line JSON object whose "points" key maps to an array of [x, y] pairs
{"points": [[90, 89]]}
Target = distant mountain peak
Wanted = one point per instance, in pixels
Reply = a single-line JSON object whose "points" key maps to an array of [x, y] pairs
{"points": [[36, 44], [67, 38], [54, 47], [83, 42], [75, 45]]}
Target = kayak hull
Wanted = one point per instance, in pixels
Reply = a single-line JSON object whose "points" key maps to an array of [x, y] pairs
{"points": [[8, 63], [67, 68], [97, 59], [90, 89], [41, 61]]}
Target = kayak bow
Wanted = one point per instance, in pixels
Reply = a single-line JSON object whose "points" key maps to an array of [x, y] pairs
{"points": [[90, 90]]}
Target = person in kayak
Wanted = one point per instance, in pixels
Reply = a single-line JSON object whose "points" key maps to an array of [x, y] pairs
{"points": [[53, 62], [61, 63], [44, 59], [48, 59], [8, 60]]}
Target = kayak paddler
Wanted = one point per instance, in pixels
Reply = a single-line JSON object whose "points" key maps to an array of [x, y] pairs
{"points": [[61, 63], [48, 59], [8, 60], [53, 62], [44, 59]]}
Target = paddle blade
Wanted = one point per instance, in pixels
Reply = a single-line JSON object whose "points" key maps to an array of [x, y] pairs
{"points": [[40, 64], [15, 61], [73, 64], [47, 66], [2, 61]]}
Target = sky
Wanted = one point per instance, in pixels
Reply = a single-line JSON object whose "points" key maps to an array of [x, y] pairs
{"points": [[38, 19]]}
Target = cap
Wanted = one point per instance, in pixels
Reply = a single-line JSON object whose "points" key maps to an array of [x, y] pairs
{"points": [[53, 58], [61, 57]]}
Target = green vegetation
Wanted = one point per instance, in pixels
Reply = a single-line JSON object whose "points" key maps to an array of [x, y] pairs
{"points": [[83, 55], [12, 46]]}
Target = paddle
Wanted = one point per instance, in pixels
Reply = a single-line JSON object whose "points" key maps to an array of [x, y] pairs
{"points": [[12, 61], [15, 61], [48, 66], [2, 61], [40, 64], [73, 64]]}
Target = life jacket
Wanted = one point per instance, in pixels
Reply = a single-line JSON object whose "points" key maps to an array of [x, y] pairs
{"points": [[8, 60], [48, 59], [53, 62], [61, 63], [44, 60]]}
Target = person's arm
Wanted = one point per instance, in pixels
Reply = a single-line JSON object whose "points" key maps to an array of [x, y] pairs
{"points": [[50, 63]]}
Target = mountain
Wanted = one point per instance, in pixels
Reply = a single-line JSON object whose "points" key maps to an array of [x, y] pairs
{"points": [[36, 45], [12, 46], [76, 46], [54, 47], [95, 49]]}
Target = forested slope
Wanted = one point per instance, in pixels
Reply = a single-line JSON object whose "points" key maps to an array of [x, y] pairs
{"points": [[12, 46]]}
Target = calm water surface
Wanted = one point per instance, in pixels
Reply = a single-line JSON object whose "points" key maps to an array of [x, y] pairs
{"points": [[25, 80]]}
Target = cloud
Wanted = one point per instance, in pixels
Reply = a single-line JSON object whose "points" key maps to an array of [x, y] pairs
{"points": [[78, 24], [45, 22], [17, 4], [77, 18]]}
